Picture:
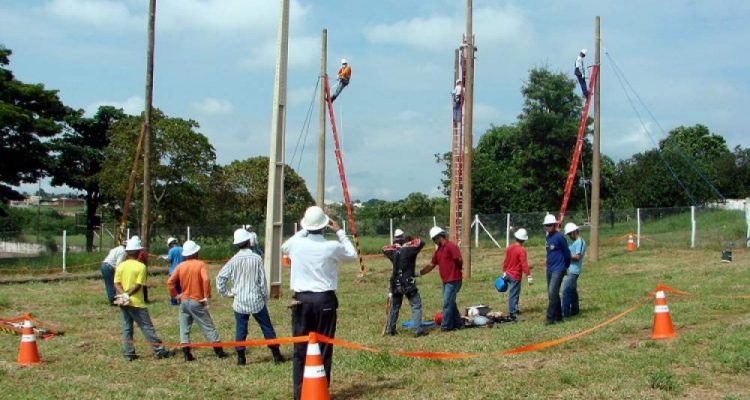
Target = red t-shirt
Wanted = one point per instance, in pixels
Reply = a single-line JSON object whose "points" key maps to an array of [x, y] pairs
{"points": [[515, 262], [448, 258]]}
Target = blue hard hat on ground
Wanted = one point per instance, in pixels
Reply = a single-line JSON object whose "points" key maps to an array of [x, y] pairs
{"points": [[501, 285]]}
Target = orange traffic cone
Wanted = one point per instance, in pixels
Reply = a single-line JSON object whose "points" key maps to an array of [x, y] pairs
{"points": [[631, 244], [314, 381], [662, 321], [28, 354]]}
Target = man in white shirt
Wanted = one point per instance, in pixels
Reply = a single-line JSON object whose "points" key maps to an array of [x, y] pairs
{"points": [[314, 279], [114, 258], [580, 73], [245, 271], [457, 95]]}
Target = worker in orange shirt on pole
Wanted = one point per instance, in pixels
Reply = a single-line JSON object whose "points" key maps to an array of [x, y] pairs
{"points": [[345, 74]]}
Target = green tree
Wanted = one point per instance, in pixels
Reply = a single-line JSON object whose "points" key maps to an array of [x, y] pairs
{"points": [[29, 116], [182, 162], [78, 156], [239, 193]]}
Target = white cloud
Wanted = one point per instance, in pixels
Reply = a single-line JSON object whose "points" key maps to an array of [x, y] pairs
{"points": [[133, 105], [104, 14], [493, 25], [212, 106], [303, 51]]}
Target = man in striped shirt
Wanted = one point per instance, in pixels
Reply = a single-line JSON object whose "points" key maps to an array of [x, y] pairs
{"points": [[249, 290]]}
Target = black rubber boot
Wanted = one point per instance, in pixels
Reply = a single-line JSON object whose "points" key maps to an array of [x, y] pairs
{"points": [[220, 352], [241, 358], [188, 355], [277, 357]]}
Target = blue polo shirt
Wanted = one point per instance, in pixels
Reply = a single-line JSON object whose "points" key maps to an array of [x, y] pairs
{"points": [[174, 256], [577, 247], [558, 253]]}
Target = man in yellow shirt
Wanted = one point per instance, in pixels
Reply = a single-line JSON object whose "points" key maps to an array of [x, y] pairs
{"points": [[345, 74], [130, 279]]}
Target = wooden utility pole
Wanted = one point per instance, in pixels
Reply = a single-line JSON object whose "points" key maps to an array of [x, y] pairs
{"points": [[454, 206], [148, 135], [596, 165], [320, 195], [468, 143], [275, 199]]}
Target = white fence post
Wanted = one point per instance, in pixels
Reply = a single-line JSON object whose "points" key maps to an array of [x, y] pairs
{"points": [[188, 233], [507, 230], [434, 221], [343, 225], [476, 230], [692, 231], [295, 227], [638, 227], [391, 231], [128, 234], [747, 221], [65, 247]]}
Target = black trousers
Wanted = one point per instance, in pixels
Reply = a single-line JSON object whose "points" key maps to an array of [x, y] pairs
{"points": [[315, 313]]}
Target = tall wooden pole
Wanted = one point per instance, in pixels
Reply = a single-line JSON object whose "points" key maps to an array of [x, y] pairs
{"points": [[454, 179], [320, 196], [146, 214], [468, 143], [596, 165], [275, 199]]}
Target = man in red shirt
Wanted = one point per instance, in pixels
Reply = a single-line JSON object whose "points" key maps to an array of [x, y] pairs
{"points": [[514, 266], [448, 258], [192, 276]]}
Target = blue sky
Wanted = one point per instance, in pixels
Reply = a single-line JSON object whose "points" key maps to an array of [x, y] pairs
{"points": [[687, 60]]}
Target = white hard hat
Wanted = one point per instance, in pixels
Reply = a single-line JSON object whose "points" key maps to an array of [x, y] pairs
{"points": [[170, 240], [343, 61], [434, 231], [241, 236], [570, 227], [314, 219], [521, 234], [458, 81], [584, 51], [398, 232], [189, 248], [549, 219], [134, 244]]}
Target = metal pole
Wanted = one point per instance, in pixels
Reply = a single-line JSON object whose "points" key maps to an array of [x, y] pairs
{"points": [[275, 199], [507, 230], [128, 234], [320, 198], [146, 214], [468, 142], [434, 221], [594, 255], [391, 232], [476, 230], [188, 233], [65, 248], [692, 227], [638, 227]]}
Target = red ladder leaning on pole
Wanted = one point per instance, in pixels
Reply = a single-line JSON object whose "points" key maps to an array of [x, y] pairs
{"points": [[342, 175], [579, 144]]}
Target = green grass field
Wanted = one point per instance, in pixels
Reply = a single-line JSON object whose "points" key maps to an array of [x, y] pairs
{"points": [[709, 359]]}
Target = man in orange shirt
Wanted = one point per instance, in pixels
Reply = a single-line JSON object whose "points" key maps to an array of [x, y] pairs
{"points": [[192, 276], [345, 74]]}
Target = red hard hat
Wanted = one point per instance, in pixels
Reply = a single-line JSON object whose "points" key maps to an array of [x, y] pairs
{"points": [[438, 318]]}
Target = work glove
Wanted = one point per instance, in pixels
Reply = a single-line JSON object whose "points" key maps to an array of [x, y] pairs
{"points": [[122, 299], [505, 275], [530, 280]]}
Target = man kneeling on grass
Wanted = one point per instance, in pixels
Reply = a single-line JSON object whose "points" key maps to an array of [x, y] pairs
{"points": [[130, 279], [192, 276]]}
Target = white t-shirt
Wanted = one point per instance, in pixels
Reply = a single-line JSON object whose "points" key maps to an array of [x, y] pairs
{"points": [[315, 260], [580, 67], [115, 256]]}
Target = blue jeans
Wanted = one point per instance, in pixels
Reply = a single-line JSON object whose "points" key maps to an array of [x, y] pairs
{"points": [[173, 300], [141, 317], [514, 293], [584, 89], [451, 316], [456, 111], [554, 308], [108, 275], [570, 296], [262, 318], [416, 311], [191, 310]]}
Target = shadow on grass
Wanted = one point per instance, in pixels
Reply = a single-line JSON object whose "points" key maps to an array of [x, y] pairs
{"points": [[367, 390]]}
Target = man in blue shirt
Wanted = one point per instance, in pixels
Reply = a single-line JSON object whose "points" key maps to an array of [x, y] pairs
{"points": [[558, 260], [570, 288], [174, 257]]}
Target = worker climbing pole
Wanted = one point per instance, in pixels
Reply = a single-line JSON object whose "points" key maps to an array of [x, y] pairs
{"points": [[579, 143], [457, 146], [342, 175]]}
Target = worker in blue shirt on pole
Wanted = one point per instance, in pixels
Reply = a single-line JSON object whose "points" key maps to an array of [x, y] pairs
{"points": [[558, 260]]}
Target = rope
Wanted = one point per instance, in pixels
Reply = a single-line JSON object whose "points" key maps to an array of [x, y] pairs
{"points": [[306, 129], [680, 152], [645, 129]]}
